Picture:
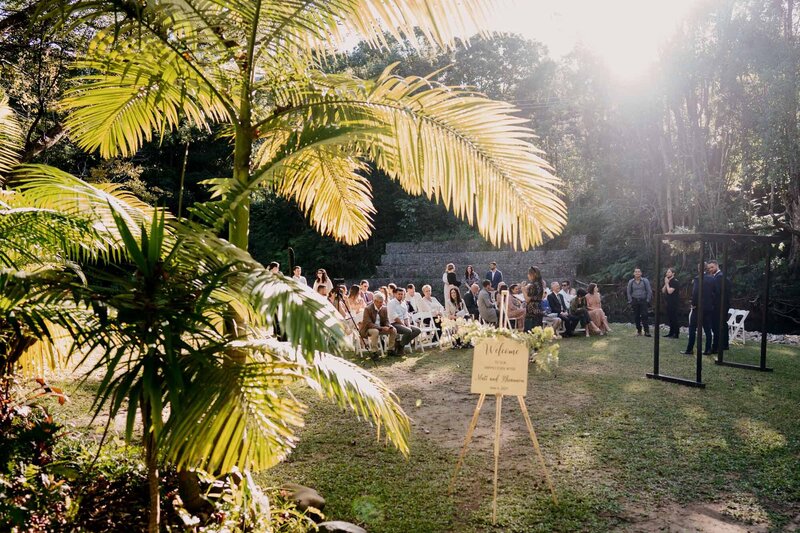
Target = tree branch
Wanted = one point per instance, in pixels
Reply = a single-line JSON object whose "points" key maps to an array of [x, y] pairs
{"points": [[46, 141]]}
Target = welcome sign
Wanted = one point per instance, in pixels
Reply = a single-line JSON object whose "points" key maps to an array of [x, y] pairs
{"points": [[500, 366]]}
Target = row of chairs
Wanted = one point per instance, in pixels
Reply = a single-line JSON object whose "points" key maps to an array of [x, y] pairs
{"points": [[429, 336]]}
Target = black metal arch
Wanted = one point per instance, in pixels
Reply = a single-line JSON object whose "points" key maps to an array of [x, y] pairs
{"points": [[724, 239]]}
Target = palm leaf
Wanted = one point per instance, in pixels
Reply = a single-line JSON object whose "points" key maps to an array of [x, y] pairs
{"points": [[10, 136]]}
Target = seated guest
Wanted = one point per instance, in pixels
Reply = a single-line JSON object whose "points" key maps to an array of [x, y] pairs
{"points": [[580, 310], [567, 289], [487, 310], [274, 267], [558, 306], [355, 301], [376, 323], [471, 277], [596, 312], [412, 298], [365, 294], [516, 305], [471, 300], [400, 319], [454, 307], [430, 304], [297, 275], [385, 291]]}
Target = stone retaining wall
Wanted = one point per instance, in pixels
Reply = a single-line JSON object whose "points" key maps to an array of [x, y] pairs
{"points": [[424, 262]]}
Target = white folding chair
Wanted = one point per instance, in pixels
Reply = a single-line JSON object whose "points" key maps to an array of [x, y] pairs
{"points": [[429, 336], [736, 324]]}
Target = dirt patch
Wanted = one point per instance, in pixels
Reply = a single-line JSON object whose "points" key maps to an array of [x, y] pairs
{"points": [[716, 517]]}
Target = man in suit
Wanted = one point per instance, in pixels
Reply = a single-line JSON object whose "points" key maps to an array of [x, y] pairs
{"points": [[487, 310], [376, 323], [494, 276], [558, 305], [707, 311], [471, 300], [717, 276], [364, 286]]}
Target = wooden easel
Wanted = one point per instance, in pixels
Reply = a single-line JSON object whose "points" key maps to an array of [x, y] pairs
{"points": [[471, 429], [502, 304]]}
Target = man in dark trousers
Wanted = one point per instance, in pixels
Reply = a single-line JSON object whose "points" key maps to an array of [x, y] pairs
{"points": [[717, 276], [471, 300], [494, 275], [672, 301], [559, 306], [639, 297], [708, 306]]}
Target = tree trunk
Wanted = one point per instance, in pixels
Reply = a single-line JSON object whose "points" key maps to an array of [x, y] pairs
{"points": [[151, 461]]}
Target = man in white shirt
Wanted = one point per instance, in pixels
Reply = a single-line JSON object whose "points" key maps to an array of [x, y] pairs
{"points": [[400, 319], [296, 275], [412, 299]]}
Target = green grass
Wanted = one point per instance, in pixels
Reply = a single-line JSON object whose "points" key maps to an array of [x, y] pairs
{"points": [[617, 444]]}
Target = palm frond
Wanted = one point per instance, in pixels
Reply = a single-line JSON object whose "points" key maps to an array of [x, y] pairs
{"points": [[10, 136], [470, 153], [135, 87]]}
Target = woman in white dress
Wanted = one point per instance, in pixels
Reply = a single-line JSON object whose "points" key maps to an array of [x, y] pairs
{"points": [[323, 279]]}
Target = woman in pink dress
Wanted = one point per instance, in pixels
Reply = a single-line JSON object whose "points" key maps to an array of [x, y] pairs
{"points": [[596, 313]]}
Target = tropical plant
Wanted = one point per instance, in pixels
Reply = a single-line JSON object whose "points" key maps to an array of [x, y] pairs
{"points": [[153, 296], [255, 67]]}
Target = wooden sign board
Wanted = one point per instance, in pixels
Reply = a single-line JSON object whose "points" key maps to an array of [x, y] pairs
{"points": [[500, 366]]}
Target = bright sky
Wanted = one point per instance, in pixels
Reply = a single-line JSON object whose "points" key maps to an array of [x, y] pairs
{"points": [[626, 34]]}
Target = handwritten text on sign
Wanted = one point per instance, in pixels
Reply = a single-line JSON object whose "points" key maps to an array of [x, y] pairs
{"points": [[500, 366]]}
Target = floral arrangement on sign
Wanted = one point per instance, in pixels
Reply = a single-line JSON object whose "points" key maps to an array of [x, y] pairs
{"points": [[543, 352]]}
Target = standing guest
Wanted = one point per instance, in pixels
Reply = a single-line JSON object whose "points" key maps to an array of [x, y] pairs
{"points": [[298, 277], [471, 300], [400, 320], [516, 305], [558, 306], [487, 310], [494, 276], [470, 277], [454, 307], [365, 294], [533, 306], [639, 297], [671, 299], [449, 279], [412, 299], [595, 307], [274, 267], [580, 310], [323, 279], [706, 312], [355, 301], [535, 277], [376, 323], [717, 275]]}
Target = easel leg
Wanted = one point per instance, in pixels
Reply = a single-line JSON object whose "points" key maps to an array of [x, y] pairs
{"points": [[473, 423], [536, 447], [498, 410]]}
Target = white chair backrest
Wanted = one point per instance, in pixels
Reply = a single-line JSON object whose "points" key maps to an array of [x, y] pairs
{"points": [[737, 316]]}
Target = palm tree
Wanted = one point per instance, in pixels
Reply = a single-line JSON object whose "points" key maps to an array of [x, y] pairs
{"points": [[254, 67], [153, 295]]}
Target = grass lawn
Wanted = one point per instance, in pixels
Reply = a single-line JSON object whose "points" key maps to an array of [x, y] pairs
{"points": [[625, 452]]}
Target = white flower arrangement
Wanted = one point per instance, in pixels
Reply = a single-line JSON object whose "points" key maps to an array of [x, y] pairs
{"points": [[543, 352]]}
